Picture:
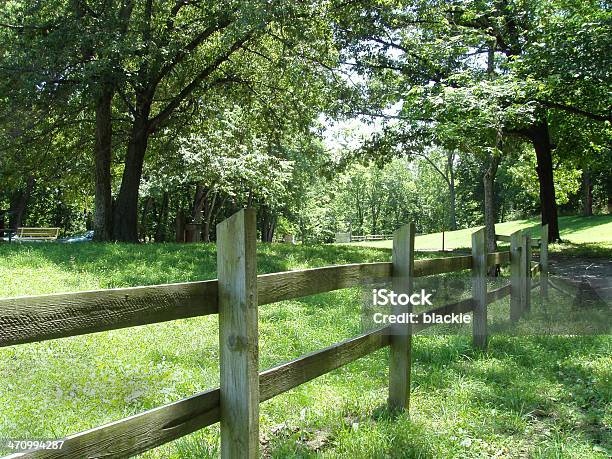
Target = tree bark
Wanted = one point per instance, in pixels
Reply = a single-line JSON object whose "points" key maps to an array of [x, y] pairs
{"points": [[209, 205], [125, 216], [103, 213], [541, 143], [268, 224], [450, 156], [145, 214], [489, 201], [587, 190], [608, 186], [20, 203], [179, 224], [199, 198]]}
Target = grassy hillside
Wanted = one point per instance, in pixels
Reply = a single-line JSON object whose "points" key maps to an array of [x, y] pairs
{"points": [[525, 397], [575, 230]]}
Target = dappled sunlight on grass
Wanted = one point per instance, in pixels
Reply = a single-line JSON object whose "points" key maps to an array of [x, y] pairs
{"points": [[526, 396]]}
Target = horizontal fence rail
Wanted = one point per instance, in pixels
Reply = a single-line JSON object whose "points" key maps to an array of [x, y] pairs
{"points": [[36, 318], [28, 319], [136, 434]]}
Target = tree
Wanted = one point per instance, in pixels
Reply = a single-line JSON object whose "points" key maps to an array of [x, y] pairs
{"points": [[412, 52]]}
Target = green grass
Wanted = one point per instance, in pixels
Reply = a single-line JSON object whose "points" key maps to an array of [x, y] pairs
{"points": [[544, 397], [589, 233]]}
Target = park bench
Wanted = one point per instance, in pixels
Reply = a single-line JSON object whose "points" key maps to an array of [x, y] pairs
{"points": [[36, 234]]}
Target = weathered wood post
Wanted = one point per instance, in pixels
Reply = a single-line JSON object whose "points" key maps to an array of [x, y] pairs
{"points": [[479, 289], [401, 334], [516, 277], [544, 263], [526, 268], [238, 340]]}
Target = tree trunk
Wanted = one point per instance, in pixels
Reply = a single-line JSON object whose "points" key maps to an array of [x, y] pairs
{"points": [[125, 217], [451, 191], [587, 190], [145, 214], [268, 223], [199, 198], [103, 213], [209, 205], [20, 203], [489, 201], [179, 224], [609, 193], [548, 203], [162, 219]]}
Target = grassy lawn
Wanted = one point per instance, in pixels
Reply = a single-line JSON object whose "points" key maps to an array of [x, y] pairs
{"points": [[545, 397], [574, 231]]}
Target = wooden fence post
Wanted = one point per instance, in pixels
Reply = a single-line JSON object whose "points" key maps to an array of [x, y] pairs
{"points": [[544, 263], [238, 340], [516, 277], [526, 268], [479, 288], [401, 335]]}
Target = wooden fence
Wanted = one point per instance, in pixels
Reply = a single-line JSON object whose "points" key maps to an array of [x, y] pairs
{"points": [[236, 296], [371, 237]]}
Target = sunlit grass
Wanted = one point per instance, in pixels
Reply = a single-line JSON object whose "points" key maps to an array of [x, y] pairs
{"points": [[591, 233], [525, 397]]}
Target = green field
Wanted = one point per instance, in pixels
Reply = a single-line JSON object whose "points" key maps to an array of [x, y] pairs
{"points": [[574, 230], [543, 397]]}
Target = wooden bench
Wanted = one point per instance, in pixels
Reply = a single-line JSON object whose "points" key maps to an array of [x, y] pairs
{"points": [[36, 234]]}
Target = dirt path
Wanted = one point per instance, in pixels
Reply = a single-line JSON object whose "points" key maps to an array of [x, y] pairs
{"points": [[587, 273]]}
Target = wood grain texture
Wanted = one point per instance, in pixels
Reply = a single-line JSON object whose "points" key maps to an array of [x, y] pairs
{"points": [[431, 266], [544, 263], [37, 318], [498, 293], [401, 336], [238, 335], [498, 258], [294, 284], [479, 289], [284, 377], [136, 434], [459, 307], [516, 278], [526, 272]]}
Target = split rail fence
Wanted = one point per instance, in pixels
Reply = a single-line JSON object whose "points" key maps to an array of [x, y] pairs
{"points": [[236, 296]]}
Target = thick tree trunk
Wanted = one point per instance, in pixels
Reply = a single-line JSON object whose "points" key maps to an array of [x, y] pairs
{"points": [[103, 213], [162, 219], [489, 201], [19, 204], [587, 194], [125, 216], [548, 203]]}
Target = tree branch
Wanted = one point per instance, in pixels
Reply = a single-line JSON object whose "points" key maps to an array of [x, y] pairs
{"points": [[164, 114]]}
